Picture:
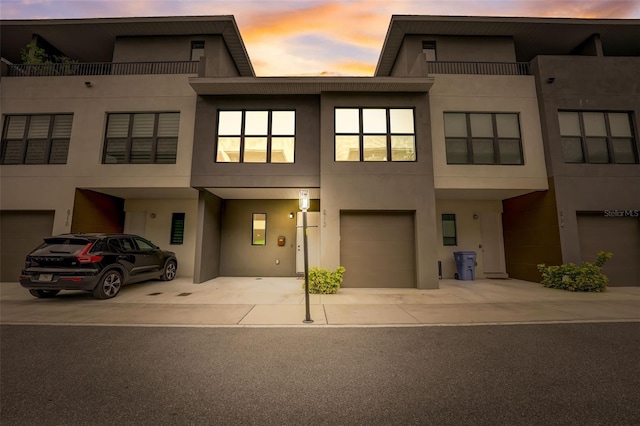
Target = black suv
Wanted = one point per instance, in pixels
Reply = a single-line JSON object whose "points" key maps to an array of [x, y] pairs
{"points": [[101, 263]]}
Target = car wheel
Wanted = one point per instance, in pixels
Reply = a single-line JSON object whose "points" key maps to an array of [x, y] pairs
{"points": [[170, 270], [44, 294], [109, 285]]}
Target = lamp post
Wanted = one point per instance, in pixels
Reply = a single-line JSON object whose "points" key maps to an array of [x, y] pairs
{"points": [[304, 206]]}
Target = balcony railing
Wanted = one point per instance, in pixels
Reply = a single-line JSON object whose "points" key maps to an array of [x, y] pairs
{"points": [[103, 68], [487, 68]]}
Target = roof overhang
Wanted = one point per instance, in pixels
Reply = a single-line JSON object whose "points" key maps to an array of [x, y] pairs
{"points": [[307, 85], [532, 36], [262, 193], [93, 40]]}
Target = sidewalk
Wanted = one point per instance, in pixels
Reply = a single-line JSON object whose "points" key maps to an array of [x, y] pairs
{"points": [[280, 302]]}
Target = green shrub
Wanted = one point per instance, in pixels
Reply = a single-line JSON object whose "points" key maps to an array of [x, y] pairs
{"points": [[586, 277], [324, 281]]}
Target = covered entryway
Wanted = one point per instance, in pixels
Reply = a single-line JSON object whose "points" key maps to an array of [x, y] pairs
{"points": [[619, 235], [378, 249], [21, 232]]}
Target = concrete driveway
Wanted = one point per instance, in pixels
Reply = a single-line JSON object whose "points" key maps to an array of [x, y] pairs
{"points": [[267, 301]]}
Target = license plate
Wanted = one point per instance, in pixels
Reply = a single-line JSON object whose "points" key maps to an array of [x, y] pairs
{"points": [[45, 277]]}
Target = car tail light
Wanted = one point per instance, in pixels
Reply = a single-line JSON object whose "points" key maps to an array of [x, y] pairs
{"points": [[84, 257]]}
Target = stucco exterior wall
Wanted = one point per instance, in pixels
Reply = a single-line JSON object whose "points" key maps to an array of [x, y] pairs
{"points": [[455, 49], [305, 172], [158, 227], [468, 231], [46, 187], [485, 93], [208, 237], [401, 186], [240, 258], [587, 84], [159, 48]]}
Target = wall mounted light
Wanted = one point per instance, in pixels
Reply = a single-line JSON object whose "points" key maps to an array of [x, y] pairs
{"points": [[550, 80], [475, 216], [291, 215], [88, 84], [153, 215]]}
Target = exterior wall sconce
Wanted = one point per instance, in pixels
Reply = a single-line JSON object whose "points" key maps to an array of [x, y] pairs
{"points": [[291, 215], [88, 84], [550, 80], [475, 216]]}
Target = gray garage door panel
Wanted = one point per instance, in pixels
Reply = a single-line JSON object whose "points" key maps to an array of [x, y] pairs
{"points": [[618, 235], [378, 249], [20, 232]]}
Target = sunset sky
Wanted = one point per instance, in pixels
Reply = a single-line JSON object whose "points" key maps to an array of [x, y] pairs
{"points": [[309, 37]]}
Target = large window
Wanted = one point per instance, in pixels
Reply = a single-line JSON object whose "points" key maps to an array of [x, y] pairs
{"points": [[141, 138], [256, 136], [36, 139], [375, 134], [597, 137], [483, 138]]}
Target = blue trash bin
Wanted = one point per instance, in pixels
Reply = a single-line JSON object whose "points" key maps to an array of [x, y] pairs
{"points": [[465, 264]]}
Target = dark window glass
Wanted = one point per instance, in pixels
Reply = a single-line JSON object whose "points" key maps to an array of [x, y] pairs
{"points": [[141, 138], [144, 245], [36, 139], [483, 138], [597, 137], [177, 228], [197, 50], [429, 50], [449, 237]]}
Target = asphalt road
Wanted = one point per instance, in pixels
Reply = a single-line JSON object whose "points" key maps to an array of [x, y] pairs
{"points": [[582, 374]]}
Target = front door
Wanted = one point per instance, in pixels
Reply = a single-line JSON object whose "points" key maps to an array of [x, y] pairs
{"points": [[493, 262]]}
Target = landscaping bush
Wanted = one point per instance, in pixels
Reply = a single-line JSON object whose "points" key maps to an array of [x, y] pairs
{"points": [[324, 281], [586, 277]]}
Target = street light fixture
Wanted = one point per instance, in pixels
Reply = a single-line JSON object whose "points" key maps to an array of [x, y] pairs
{"points": [[304, 206]]}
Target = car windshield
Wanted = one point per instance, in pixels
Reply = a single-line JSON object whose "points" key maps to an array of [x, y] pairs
{"points": [[60, 245]]}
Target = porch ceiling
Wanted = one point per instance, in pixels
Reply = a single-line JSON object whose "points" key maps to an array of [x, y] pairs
{"points": [[262, 193], [480, 194], [149, 193]]}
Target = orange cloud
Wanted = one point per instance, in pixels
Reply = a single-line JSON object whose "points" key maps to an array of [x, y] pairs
{"points": [[355, 68], [347, 22], [580, 9]]}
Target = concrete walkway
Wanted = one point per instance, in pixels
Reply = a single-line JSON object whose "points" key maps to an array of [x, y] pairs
{"points": [[281, 302]]}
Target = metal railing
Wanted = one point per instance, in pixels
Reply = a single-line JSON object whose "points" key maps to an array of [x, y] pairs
{"points": [[103, 68], [486, 68]]}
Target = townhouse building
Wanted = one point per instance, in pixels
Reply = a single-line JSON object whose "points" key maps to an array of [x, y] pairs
{"points": [[515, 138]]}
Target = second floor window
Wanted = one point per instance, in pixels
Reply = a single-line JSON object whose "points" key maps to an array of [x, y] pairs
{"points": [[597, 137], [36, 139], [256, 136], [482, 138], [429, 50], [197, 50], [375, 134], [141, 138]]}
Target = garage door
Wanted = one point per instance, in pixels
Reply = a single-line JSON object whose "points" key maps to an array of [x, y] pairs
{"points": [[620, 236], [20, 232], [378, 249]]}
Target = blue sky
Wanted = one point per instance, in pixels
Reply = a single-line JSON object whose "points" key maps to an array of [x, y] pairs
{"points": [[310, 37]]}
